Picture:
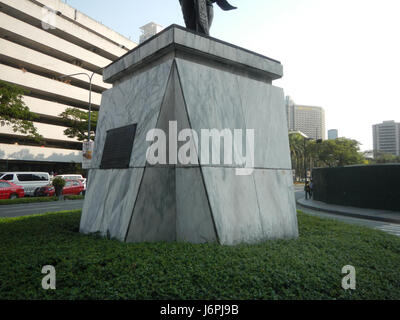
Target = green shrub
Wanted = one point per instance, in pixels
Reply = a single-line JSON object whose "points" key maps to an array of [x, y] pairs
{"points": [[59, 184], [27, 200], [91, 267]]}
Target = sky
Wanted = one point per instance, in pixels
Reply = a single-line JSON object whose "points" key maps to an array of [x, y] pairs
{"points": [[342, 55]]}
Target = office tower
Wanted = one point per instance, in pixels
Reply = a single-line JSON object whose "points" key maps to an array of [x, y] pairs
{"points": [[386, 137]]}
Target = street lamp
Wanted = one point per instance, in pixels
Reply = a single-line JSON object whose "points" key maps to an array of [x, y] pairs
{"points": [[90, 94]]}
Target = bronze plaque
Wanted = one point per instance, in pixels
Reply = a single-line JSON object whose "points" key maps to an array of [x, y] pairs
{"points": [[118, 147]]}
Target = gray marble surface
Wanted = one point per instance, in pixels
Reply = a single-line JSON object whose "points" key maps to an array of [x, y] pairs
{"points": [[218, 99], [194, 220], [234, 204], [109, 201], [135, 100], [277, 203], [177, 38], [251, 209], [154, 216]]}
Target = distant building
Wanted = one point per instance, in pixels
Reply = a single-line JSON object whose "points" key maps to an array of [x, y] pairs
{"points": [[333, 134], [149, 30], [290, 113], [307, 119], [386, 137]]}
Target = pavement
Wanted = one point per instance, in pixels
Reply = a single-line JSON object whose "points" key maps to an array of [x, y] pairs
{"points": [[354, 218], [386, 221], [369, 214], [19, 210]]}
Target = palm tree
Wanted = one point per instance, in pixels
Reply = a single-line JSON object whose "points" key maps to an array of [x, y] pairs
{"points": [[296, 143]]}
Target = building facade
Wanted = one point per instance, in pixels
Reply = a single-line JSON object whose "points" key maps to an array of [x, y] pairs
{"points": [[333, 134], [307, 119], [386, 138], [42, 41]]}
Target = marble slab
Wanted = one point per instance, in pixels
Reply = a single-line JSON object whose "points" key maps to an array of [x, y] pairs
{"points": [[219, 99], [194, 219], [178, 38], [109, 201], [154, 216], [277, 204], [135, 100], [251, 209]]}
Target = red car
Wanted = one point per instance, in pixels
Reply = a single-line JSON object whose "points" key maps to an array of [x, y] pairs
{"points": [[9, 190], [45, 191], [72, 187]]}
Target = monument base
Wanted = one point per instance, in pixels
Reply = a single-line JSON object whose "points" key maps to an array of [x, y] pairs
{"points": [[197, 83]]}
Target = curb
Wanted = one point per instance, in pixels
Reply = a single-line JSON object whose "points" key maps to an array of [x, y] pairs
{"points": [[352, 215]]}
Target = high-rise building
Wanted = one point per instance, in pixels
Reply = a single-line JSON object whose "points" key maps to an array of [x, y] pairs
{"points": [[40, 42], [290, 112], [307, 119], [149, 30], [333, 134], [386, 137]]}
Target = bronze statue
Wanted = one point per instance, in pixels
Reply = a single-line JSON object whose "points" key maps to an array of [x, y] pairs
{"points": [[199, 14]]}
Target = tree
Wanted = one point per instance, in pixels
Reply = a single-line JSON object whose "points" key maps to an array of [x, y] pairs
{"points": [[297, 152], [381, 157], [340, 152], [58, 184], [78, 121], [14, 112], [328, 153]]}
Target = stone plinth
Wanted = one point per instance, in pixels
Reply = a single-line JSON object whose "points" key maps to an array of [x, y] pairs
{"points": [[198, 83]]}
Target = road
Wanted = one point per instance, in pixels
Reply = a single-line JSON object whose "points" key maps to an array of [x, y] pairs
{"points": [[18, 210], [383, 226]]}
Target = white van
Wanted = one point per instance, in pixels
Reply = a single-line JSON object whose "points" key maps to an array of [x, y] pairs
{"points": [[29, 180]]}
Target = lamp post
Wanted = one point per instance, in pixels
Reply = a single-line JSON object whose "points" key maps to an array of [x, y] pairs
{"points": [[90, 77]]}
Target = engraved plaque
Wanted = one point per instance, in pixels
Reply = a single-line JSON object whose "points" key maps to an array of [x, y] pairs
{"points": [[118, 147]]}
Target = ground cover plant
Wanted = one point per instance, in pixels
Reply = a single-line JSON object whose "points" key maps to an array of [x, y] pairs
{"points": [[91, 267]]}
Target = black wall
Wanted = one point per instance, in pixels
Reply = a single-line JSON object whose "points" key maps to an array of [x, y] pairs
{"points": [[375, 187]]}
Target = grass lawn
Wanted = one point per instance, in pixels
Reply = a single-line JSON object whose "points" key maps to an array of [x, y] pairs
{"points": [[89, 267]]}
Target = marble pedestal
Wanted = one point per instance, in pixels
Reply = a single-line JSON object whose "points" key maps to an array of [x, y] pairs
{"points": [[201, 83]]}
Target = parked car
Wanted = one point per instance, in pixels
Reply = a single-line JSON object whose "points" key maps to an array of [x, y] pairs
{"points": [[72, 187], [9, 190], [29, 180], [73, 177], [45, 191]]}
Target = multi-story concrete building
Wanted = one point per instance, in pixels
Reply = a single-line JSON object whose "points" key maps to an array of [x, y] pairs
{"points": [[386, 137], [307, 119], [333, 134], [41, 41]]}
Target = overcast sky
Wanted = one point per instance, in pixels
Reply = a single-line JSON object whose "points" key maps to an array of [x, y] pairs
{"points": [[342, 55]]}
